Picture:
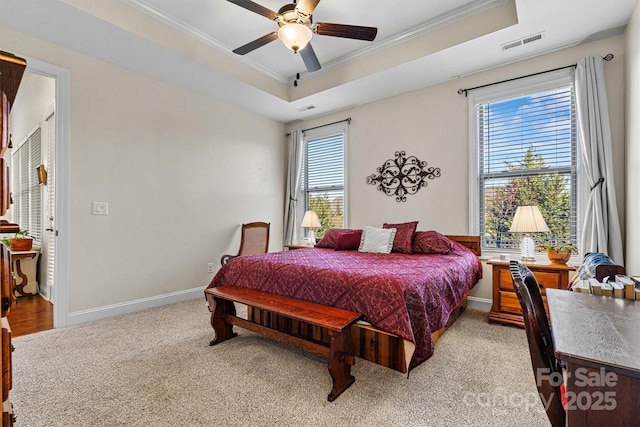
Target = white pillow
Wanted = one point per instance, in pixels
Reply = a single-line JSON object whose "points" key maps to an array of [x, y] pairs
{"points": [[377, 240]]}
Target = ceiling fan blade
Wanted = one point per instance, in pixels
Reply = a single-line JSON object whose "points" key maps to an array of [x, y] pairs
{"points": [[267, 38], [306, 7], [310, 59], [255, 7], [346, 31]]}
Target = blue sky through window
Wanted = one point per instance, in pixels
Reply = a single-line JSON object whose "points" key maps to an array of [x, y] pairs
{"points": [[541, 121]]}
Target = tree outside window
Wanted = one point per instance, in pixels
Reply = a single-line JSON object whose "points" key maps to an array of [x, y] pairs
{"points": [[550, 192], [330, 211]]}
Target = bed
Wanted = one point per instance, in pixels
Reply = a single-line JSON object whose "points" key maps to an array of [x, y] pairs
{"points": [[406, 299]]}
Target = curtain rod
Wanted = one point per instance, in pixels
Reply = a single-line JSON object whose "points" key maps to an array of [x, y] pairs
{"points": [[348, 120], [608, 57]]}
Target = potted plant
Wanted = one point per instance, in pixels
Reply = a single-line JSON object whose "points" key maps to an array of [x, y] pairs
{"points": [[559, 253], [20, 241]]}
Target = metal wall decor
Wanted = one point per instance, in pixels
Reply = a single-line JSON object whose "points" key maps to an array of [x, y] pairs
{"points": [[402, 176]]}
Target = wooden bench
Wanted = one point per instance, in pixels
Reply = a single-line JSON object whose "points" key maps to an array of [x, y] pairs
{"points": [[336, 321]]}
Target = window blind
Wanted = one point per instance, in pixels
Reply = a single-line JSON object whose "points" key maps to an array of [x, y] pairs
{"points": [[27, 195], [323, 179], [527, 156], [325, 164]]}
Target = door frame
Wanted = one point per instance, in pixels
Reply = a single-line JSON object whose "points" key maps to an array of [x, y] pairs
{"points": [[60, 290]]}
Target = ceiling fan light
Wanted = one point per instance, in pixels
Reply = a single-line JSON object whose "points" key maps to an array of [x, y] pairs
{"points": [[295, 36]]}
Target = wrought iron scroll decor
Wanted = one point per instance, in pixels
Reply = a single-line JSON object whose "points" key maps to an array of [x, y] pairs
{"points": [[402, 176]]}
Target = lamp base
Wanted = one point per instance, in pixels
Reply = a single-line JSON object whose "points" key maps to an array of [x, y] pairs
{"points": [[527, 249], [312, 237]]}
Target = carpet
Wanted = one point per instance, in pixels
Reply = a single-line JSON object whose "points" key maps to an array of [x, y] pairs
{"points": [[156, 368]]}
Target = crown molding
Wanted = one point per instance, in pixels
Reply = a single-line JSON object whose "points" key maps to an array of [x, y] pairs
{"points": [[417, 31], [144, 7]]}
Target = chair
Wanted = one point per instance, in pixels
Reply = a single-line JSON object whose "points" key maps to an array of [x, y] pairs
{"points": [[529, 280], [546, 367], [254, 240]]}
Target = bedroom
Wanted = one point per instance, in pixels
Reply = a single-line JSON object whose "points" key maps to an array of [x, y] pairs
{"points": [[109, 162], [155, 244]]}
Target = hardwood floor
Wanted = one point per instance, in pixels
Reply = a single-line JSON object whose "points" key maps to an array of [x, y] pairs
{"points": [[29, 315]]}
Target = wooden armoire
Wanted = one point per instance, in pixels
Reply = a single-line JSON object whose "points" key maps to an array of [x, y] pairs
{"points": [[11, 71]]}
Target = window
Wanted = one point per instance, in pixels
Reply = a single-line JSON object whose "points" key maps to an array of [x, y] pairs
{"points": [[524, 152], [322, 179], [27, 195]]}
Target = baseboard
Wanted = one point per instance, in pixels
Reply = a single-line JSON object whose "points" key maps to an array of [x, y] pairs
{"points": [[84, 316], [46, 292], [481, 304]]}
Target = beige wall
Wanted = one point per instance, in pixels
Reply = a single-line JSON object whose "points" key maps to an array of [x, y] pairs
{"points": [[632, 81], [180, 173], [433, 125]]}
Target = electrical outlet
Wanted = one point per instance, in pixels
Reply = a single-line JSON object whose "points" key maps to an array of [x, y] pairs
{"points": [[210, 267]]}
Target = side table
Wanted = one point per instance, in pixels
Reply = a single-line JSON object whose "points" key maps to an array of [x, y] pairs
{"points": [[24, 266], [506, 307]]}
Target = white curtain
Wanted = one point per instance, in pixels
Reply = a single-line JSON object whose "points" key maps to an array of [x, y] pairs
{"points": [[601, 226], [293, 186]]}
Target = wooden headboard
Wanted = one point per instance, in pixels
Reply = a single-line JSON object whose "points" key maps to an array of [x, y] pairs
{"points": [[471, 242]]}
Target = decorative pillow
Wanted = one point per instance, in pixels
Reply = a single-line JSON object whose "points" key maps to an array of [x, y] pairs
{"points": [[404, 236], [329, 237], [431, 242], [348, 240], [377, 240]]}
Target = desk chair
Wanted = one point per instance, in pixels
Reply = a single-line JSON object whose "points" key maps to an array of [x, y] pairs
{"points": [[541, 347], [254, 240]]}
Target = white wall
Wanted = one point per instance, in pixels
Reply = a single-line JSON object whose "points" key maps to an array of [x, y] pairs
{"points": [[433, 125], [632, 84], [180, 173], [38, 93]]}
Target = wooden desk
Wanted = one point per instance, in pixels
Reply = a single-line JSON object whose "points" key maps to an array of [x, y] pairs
{"points": [[597, 338]]}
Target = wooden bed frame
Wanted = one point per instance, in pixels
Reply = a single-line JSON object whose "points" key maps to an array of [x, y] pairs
{"points": [[368, 342]]}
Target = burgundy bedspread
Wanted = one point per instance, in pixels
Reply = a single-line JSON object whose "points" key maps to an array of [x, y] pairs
{"points": [[407, 295]]}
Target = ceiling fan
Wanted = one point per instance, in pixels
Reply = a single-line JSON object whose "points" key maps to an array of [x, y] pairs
{"points": [[297, 28]]}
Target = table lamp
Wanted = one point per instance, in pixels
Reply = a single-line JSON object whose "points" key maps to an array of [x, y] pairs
{"points": [[528, 219], [311, 221]]}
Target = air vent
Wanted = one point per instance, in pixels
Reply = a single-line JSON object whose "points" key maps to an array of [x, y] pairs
{"points": [[532, 38], [308, 107], [521, 42], [511, 45]]}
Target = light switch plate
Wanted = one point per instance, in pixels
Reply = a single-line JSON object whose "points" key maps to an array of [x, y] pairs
{"points": [[100, 208]]}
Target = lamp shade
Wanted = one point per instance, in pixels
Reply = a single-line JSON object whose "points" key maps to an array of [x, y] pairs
{"points": [[310, 220], [295, 36], [528, 219]]}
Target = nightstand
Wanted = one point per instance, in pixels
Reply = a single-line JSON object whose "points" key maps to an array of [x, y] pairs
{"points": [[506, 307]]}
